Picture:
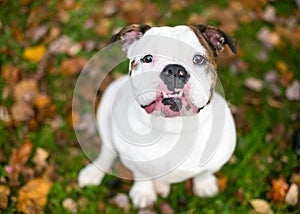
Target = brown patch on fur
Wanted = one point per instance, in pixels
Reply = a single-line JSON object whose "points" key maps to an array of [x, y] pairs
{"points": [[133, 66], [210, 54]]}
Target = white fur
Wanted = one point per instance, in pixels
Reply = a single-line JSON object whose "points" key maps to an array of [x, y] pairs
{"points": [[152, 178]]}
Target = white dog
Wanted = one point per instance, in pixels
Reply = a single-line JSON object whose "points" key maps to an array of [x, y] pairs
{"points": [[164, 120]]}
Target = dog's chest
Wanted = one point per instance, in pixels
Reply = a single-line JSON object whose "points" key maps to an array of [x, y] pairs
{"points": [[172, 157]]}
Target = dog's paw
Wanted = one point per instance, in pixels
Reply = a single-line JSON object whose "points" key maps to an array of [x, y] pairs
{"points": [[162, 188], [142, 194], [90, 176], [205, 185]]}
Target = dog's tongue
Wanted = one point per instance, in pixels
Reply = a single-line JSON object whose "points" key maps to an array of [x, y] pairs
{"points": [[172, 107]]}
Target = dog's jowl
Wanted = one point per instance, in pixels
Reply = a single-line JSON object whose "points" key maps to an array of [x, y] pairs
{"points": [[164, 120]]}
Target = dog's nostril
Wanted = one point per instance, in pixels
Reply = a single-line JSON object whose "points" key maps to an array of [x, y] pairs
{"points": [[180, 73], [170, 72]]}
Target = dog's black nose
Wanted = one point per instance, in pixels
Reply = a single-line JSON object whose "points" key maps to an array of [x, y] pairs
{"points": [[174, 76]]}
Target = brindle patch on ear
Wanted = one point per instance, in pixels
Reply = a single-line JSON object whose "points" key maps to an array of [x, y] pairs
{"points": [[134, 27], [216, 38]]}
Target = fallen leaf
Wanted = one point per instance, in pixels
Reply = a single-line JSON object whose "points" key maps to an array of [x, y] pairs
{"points": [[279, 190], [293, 91], [21, 111], [70, 205], [26, 91], [222, 183], [73, 66], [166, 208], [132, 11], [261, 206], [17, 162], [61, 45], [34, 54], [103, 28], [195, 18], [73, 118], [42, 101], [10, 73], [5, 116], [33, 195], [110, 7], [4, 193], [267, 38], [40, 158], [269, 14], [292, 196], [295, 178], [254, 84], [146, 211], [121, 200]]}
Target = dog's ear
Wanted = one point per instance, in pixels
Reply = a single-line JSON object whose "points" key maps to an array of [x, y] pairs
{"points": [[216, 38], [129, 34]]}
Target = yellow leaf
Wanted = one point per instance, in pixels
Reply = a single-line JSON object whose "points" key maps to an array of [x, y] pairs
{"points": [[34, 54], [33, 194], [261, 206]]}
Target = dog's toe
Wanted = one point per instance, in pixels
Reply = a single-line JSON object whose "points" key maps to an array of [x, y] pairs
{"points": [[162, 188], [90, 176], [142, 194]]}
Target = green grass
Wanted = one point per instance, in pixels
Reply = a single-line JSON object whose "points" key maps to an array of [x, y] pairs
{"points": [[252, 172]]}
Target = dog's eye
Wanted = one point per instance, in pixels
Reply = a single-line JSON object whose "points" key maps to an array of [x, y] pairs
{"points": [[199, 59], [147, 59]]}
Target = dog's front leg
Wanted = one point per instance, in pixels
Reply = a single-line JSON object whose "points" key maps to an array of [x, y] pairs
{"points": [[142, 193], [93, 173]]}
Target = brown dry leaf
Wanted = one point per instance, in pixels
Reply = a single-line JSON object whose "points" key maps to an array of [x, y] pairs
{"points": [[222, 183], [195, 18], [103, 28], [228, 21], [17, 32], [26, 91], [279, 190], [40, 158], [17, 162], [295, 178], [73, 118], [34, 54], [33, 195], [4, 193], [73, 66], [10, 73], [21, 111], [286, 76], [177, 5], [261, 206], [132, 11]]}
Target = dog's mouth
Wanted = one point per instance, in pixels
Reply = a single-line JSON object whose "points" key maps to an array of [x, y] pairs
{"points": [[172, 105]]}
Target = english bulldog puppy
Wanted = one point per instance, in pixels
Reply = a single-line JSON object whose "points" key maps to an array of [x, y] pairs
{"points": [[164, 120]]}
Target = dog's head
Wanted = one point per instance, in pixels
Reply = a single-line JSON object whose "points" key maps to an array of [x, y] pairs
{"points": [[173, 69]]}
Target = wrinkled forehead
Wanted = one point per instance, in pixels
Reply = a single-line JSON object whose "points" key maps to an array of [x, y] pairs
{"points": [[172, 42]]}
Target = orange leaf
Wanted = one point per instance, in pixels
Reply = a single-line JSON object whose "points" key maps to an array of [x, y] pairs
{"points": [[222, 183], [34, 54], [279, 190], [33, 195]]}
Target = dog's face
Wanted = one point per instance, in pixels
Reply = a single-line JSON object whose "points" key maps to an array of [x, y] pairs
{"points": [[172, 69]]}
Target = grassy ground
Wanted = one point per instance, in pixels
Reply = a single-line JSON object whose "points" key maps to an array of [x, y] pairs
{"points": [[257, 161]]}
